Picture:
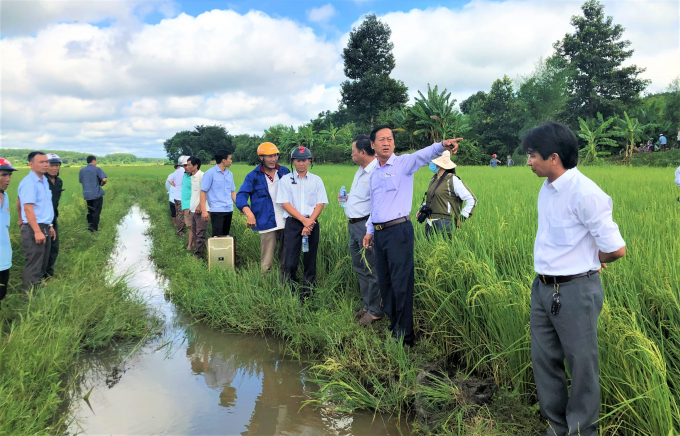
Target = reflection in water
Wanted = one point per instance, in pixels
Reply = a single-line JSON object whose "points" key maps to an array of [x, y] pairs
{"points": [[196, 380]]}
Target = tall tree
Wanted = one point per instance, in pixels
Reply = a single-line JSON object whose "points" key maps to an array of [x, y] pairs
{"points": [[201, 142], [595, 52], [368, 63]]}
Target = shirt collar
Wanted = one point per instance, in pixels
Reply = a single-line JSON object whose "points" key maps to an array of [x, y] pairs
{"points": [[371, 166], [296, 174], [390, 160], [262, 168], [564, 179], [35, 176]]}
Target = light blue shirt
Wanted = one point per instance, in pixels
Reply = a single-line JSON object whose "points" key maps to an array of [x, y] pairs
{"points": [[218, 187], [5, 245], [303, 195], [37, 192], [392, 184], [359, 198]]}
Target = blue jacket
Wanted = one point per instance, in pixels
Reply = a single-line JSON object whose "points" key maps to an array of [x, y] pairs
{"points": [[261, 203]]}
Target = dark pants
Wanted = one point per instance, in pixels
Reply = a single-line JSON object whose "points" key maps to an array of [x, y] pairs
{"points": [[36, 255], [441, 227], [4, 281], [570, 335], [368, 282], [393, 248], [54, 252], [221, 223], [173, 209], [180, 225], [94, 211], [292, 242], [198, 230]]}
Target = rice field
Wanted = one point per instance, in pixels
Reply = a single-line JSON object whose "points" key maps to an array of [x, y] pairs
{"points": [[472, 299], [471, 304]]}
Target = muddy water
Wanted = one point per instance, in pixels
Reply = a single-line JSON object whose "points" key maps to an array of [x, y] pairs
{"points": [[195, 380]]}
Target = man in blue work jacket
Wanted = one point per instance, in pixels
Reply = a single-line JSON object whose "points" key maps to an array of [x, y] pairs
{"points": [[263, 215]]}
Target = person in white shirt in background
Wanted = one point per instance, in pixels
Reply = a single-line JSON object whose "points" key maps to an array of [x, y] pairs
{"points": [[575, 240], [677, 179], [198, 226], [171, 198], [175, 179], [357, 210]]}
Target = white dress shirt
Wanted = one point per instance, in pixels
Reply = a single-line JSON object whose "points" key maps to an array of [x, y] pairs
{"points": [[273, 186], [464, 194], [359, 197], [303, 195], [574, 223], [196, 180], [176, 178], [677, 177]]}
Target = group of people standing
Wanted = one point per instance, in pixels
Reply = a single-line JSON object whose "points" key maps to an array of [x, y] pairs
{"points": [[576, 238], [38, 209]]}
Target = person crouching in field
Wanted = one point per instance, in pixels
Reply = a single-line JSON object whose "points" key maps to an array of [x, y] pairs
{"points": [[263, 214], [197, 225], [6, 170], [302, 196], [575, 240], [444, 199]]}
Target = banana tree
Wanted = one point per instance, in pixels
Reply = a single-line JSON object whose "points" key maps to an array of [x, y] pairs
{"points": [[331, 134], [435, 115], [596, 136], [632, 131]]}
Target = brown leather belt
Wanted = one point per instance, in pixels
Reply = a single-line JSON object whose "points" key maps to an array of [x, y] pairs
{"points": [[383, 226], [358, 220], [556, 280]]}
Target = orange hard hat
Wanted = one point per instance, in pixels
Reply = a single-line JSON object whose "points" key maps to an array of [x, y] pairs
{"points": [[266, 149]]}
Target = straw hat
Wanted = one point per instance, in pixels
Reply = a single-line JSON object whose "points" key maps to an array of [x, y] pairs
{"points": [[444, 161]]}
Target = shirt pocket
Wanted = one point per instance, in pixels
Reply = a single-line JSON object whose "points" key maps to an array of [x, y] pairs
{"points": [[390, 183], [562, 232]]}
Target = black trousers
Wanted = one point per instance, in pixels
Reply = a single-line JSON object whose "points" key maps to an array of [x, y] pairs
{"points": [[393, 250], [221, 223], [94, 211], [4, 280], [292, 241], [54, 251]]}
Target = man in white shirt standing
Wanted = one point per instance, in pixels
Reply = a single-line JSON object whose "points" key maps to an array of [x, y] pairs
{"points": [[302, 196], [357, 210], [198, 226], [576, 238], [175, 179]]}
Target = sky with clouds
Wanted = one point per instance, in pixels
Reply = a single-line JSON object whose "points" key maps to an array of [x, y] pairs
{"points": [[122, 76]]}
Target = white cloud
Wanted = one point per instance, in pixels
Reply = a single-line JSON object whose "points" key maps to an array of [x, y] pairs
{"points": [[128, 85], [21, 17], [321, 14], [466, 49]]}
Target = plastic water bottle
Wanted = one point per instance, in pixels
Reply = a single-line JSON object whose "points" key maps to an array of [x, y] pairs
{"points": [[343, 196], [305, 244]]}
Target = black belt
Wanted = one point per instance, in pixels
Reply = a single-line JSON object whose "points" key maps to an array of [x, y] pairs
{"points": [[358, 220], [556, 280], [383, 226]]}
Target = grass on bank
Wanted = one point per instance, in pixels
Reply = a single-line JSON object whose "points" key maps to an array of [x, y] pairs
{"points": [[471, 305], [82, 308]]}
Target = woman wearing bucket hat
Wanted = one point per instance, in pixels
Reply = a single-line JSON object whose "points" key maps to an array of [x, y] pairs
{"points": [[443, 205], [6, 170]]}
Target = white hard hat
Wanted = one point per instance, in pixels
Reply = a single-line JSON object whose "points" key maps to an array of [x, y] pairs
{"points": [[185, 160]]}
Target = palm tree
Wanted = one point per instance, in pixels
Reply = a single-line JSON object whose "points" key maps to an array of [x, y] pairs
{"points": [[596, 136]]}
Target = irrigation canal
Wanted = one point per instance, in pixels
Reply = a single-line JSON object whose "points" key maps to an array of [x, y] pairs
{"points": [[196, 380]]}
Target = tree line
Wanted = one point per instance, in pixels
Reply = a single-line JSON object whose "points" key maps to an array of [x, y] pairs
{"points": [[583, 84], [20, 157]]}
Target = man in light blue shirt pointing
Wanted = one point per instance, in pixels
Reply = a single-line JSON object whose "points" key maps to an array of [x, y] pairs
{"points": [[390, 225]]}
